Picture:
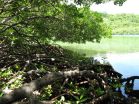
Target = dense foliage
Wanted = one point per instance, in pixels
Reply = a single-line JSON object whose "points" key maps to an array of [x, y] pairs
{"points": [[123, 23], [40, 20]]}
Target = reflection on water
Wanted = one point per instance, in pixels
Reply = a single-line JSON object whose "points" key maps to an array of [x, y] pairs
{"points": [[126, 64]]}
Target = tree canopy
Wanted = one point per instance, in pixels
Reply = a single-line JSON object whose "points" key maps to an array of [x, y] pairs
{"points": [[28, 21]]}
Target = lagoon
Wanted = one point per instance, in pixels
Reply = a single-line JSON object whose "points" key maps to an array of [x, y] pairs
{"points": [[125, 63], [122, 52], [116, 44]]}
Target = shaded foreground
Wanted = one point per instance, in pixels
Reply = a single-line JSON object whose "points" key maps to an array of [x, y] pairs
{"points": [[73, 79]]}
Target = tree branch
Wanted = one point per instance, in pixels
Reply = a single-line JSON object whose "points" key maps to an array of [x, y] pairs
{"points": [[129, 78], [26, 20], [26, 90]]}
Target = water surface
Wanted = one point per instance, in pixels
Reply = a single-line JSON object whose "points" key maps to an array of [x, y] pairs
{"points": [[127, 64]]}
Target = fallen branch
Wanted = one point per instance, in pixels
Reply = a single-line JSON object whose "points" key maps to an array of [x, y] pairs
{"points": [[101, 98], [109, 95], [129, 78], [27, 89]]}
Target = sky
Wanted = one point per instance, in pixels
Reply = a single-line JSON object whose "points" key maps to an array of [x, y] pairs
{"points": [[130, 6]]}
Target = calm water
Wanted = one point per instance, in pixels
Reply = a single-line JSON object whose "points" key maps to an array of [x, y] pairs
{"points": [[127, 64]]}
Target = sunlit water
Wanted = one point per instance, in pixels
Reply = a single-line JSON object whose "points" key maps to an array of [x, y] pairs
{"points": [[126, 64]]}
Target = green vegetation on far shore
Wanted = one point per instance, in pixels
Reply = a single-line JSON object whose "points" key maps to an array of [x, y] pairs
{"points": [[122, 23], [115, 44]]}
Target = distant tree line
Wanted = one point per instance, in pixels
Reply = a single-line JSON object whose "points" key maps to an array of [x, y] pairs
{"points": [[123, 23]]}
